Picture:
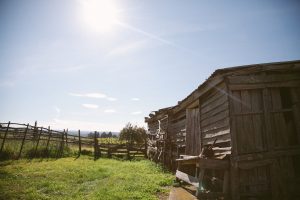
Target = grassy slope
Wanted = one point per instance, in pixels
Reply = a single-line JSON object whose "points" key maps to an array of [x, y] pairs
{"points": [[83, 178]]}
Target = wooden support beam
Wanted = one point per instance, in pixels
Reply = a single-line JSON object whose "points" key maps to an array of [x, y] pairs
{"points": [[49, 136], [23, 140], [37, 143], [5, 135], [79, 143], [187, 178]]}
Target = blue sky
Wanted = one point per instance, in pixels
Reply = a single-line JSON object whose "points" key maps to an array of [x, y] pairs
{"points": [[98, 65]]}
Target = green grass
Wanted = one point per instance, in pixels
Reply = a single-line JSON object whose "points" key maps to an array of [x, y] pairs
{"points": [[83, 178]]}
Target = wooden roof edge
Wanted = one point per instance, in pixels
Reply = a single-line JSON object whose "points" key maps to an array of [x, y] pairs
{"points": [[218, 75], [159, 114]]}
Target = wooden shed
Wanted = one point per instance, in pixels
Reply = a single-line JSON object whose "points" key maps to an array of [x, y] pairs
{"points": [[249, 116]]}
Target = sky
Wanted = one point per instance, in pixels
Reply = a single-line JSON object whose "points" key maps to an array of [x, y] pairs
{"points": [[97, 65]]}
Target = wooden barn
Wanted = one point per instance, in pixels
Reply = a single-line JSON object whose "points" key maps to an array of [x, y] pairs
{"points": [[236, 136]]}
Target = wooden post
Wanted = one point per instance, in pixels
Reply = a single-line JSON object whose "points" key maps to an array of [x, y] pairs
{"points": [[37, 144], [79, 143], [25, 133], [49, 136], [6, 131], [96, 147], [66, 136], [35, 130], [108, 149], [62, 143]]}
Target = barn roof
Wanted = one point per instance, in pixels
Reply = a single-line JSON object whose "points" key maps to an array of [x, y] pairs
{"points": [[218, 75]]}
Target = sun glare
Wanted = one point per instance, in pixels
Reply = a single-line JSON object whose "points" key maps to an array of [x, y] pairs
{"points": [[99, 15]]}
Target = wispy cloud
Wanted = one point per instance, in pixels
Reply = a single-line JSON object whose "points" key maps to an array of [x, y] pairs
{"points": [[82, 125], [135, 99], [155, 37], [136, 113], [96, 95], [57, 110], [90, 95], [127, 48], [111, 99], [90, 106], [110, 111]]}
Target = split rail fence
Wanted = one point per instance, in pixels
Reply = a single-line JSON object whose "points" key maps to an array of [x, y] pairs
{"points": [[33, 142]]}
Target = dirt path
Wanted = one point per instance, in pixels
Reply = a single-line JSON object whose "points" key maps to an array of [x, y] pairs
{"points": [[179, 193]]}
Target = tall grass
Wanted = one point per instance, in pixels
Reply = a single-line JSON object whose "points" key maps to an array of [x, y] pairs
{"points": [[66, 178], [12, 148]]}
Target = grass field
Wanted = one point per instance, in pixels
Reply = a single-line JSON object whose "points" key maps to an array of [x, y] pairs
{"points": [[83, 178]]}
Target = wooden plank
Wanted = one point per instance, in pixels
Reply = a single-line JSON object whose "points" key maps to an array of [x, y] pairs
{"points": [[214, 104], [23, 140], [264, 85], [216, 132], [246, 138], [262, 78], [187, 178], [221, 139], [214, 95], [222, 124], [213, 163], [5, 135], [214, 111], [220, 116]]}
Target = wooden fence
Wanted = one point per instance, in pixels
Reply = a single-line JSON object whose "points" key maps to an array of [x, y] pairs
{"points": [[19, 135]]}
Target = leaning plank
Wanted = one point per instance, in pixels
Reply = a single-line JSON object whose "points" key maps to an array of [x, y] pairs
{"points": [[213, 163], [187, 178]]}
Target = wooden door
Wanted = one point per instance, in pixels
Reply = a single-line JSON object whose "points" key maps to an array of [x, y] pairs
{"points": [[193, 134]]}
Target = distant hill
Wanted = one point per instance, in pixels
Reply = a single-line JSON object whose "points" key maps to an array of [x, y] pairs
{"points": [[85, 133]]}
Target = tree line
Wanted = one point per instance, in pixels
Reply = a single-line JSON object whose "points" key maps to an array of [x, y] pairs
{"points": [[130, 133]]}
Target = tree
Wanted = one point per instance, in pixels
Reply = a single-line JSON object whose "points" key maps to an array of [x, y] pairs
{"points": [[133, 134], [103, 135], [109, 135]]}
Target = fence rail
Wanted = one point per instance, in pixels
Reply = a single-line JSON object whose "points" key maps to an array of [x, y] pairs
{"points": [[54, 140]]}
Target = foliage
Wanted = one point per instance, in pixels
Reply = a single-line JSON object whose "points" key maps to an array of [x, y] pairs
{"points": [[83, 178], [12, 147], [133, 134]]}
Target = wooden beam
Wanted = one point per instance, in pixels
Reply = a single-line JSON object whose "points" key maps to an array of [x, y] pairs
{"points": [[187, 178]]}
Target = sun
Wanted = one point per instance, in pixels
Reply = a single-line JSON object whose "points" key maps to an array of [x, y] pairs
{"points": [[99, 15]]}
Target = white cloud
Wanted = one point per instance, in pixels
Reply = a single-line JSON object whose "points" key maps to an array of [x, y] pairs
{"points": [[136, 113], [111, 99], [135, 99], [90, 106], [90, 95], [60, 124], [96, 95], [110, 111]]}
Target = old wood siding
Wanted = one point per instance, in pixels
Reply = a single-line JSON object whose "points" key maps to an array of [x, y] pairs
{"points": [[193, 136], [214, 116], [264, 109], [248, 120]]}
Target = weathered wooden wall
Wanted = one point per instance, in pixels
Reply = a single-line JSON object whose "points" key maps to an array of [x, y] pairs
{"points": [[264, 109], [214, 117]]}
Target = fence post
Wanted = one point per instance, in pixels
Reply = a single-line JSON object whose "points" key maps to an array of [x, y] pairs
{"points": [[96, 147], [62, 143], [37, 144], [25, 133], [79, 143], [35, 130], [6, 131], [49, 136], [67, 137]]}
